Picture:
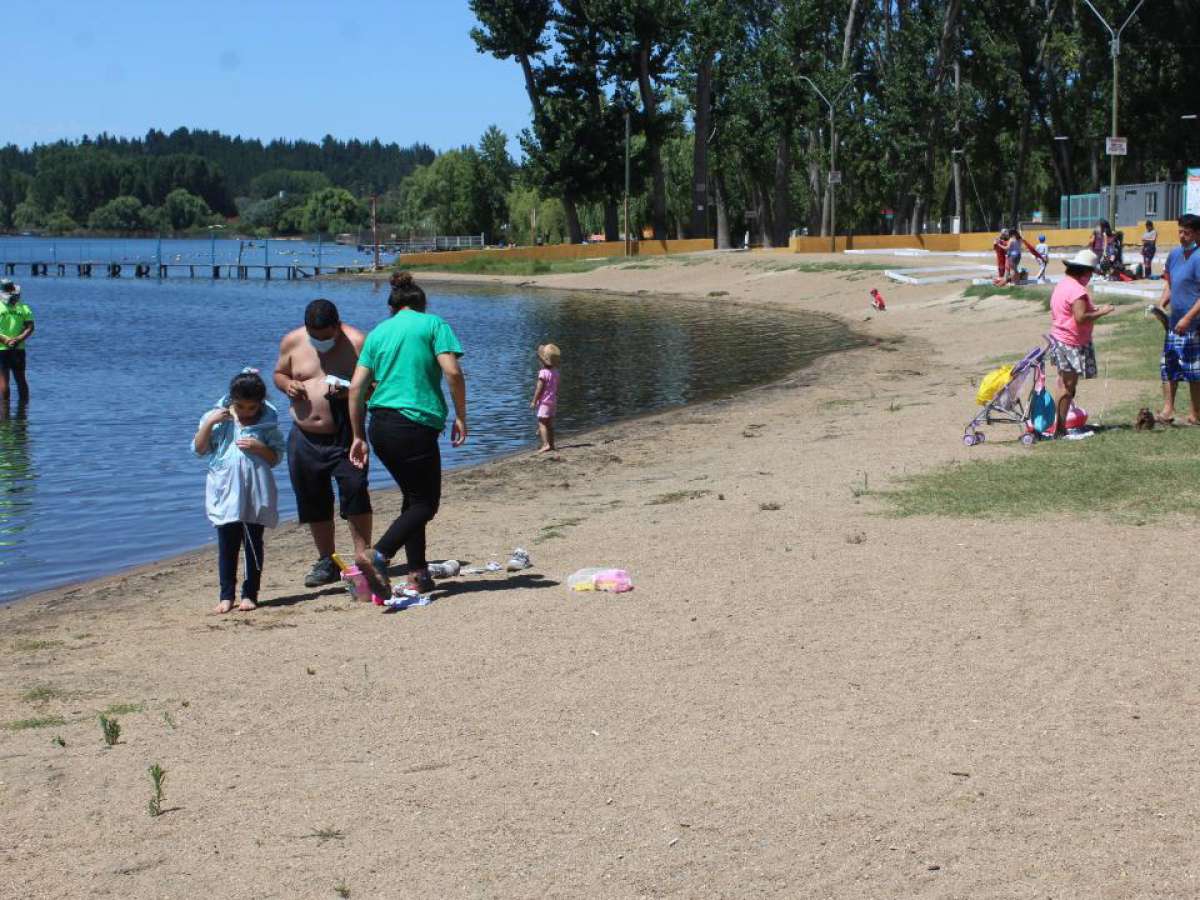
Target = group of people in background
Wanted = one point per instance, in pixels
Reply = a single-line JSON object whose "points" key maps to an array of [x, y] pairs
{"points": [[1008, 248], [1109, 247], [332, 375]]}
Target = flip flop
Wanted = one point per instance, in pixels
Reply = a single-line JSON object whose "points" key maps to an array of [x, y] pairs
{"points": [[1164, 420]]}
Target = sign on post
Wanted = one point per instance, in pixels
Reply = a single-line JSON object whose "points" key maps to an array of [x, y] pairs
{"points": [[1116, 146], [835, 177], [1192, 198]]}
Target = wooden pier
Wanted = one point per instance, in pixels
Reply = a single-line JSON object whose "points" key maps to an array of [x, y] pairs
{"points": [[232, 271]]}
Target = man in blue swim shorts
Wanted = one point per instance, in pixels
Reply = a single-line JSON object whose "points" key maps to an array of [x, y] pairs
{"points": [[1181, 302]]}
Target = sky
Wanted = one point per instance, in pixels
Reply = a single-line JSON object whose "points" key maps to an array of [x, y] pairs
{"points": [[404, 71]]}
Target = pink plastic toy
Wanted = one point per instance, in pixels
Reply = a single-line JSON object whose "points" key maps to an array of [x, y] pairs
{"points": [[356, 584]]}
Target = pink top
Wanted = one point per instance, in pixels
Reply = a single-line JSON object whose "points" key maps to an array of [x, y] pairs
{"points": [[549, 398], [1063, 327]]}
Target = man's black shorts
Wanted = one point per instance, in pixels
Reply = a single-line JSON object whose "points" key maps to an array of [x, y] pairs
{"points": [[312, 460], [12, 361]]}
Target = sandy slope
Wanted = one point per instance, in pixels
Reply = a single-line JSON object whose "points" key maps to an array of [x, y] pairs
{"points": [[809, 701]]}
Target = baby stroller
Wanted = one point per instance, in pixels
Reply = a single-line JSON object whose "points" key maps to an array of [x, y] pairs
{"points": [[1010, 404]]}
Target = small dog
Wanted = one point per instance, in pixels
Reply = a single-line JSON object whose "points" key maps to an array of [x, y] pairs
{"points": [[1144, 420]]}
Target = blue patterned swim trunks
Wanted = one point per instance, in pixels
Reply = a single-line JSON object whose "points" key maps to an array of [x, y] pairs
{"points": [[1181, 357]]}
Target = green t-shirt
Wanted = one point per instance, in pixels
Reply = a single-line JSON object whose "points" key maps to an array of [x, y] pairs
{"points": [[13, 319], [402, 355]]}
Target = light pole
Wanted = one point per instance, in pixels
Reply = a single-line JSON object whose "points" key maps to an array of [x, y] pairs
{"points": [[1062, 138], [1115, 45], [834, 175], [627, 244], [212, 247]]}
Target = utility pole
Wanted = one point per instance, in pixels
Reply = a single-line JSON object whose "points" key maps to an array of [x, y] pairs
{"points": [[834, 177], [375, 228], [1115, 46], [958, 202], [628, 246]]}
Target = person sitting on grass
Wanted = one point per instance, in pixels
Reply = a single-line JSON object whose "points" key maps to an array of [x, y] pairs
{"points": [[242, 442], [1181, 300], [1072, 316]]}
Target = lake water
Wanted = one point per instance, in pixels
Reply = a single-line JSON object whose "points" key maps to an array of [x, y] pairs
{"points": [[98, 474]]}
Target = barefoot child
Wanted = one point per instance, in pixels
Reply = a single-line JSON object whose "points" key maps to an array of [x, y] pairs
{"points": [[545, 395], [241, 440]]}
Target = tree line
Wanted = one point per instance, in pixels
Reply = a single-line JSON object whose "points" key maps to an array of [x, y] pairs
{"points": [[730, 132], [190, 179]]}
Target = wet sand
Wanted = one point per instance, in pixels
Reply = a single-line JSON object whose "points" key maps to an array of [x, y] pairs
{"points": [[803, 697]]}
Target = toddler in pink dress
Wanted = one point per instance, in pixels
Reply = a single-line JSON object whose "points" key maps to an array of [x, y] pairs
{"points": [[545, 395]]}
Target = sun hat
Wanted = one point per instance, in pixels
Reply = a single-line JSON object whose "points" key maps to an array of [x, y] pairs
{"points": [[1084, 259], [549, 354]]}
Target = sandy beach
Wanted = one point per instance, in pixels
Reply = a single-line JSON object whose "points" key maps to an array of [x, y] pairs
{"points": [[803, 696]]}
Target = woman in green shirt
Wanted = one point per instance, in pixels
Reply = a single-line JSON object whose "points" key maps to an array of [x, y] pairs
{"points": [[405, 359]]}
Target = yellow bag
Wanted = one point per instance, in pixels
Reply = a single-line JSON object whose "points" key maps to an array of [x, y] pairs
{"points": [[993, 382]]}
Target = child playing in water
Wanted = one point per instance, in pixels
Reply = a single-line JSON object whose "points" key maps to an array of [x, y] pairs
{"points": [[241, 440], [545, 395]]}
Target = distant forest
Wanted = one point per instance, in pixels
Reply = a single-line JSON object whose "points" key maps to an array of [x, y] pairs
{"points": [[191, 179]]}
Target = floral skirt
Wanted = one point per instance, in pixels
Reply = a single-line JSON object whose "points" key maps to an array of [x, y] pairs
{"points": [[1081, 360]]}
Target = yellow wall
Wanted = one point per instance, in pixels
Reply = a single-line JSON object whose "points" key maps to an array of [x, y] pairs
{"points": [[559, 251], [945, 243]]}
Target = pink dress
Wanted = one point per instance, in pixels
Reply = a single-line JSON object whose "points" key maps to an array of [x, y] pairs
{"points": [[548, 403]]}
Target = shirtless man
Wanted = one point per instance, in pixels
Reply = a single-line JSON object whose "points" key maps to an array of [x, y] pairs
{"points": [[319, 444]]}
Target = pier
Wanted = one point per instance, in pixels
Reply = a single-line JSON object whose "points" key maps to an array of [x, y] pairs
{"points": [[233, 271]]}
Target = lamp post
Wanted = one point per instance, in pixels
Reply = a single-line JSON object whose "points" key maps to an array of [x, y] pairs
{"points": [[1115, 46], [212, 247], [834, 175], [1062, 138], [627, 244]]}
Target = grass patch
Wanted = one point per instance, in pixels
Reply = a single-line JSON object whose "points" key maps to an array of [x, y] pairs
{"points": [[676, 497], [1121, 473], [1131, 348], [497, 264], [37, 722], [26, 645], [1039, 294], [121, 709], [42, 693]]}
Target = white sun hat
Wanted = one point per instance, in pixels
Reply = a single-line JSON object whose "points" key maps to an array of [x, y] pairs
{"points": [[1084, 259]]}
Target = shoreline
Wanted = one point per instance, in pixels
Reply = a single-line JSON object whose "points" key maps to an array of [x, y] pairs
{"points": [[191, 555], [802, 695]]}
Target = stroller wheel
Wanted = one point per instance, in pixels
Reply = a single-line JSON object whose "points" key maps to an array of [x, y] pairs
{"points": [[971, 439], [1029, 439], [980, 437]]}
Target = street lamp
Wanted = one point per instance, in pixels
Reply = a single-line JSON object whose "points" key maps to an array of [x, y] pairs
{"points": [[212, 245], [833, 172], [1190, 117], [1062, 138], [1115, 46]]}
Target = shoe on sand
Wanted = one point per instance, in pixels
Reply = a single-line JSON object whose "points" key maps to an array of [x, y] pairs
{"points": [[324, 571], [518, 561]]}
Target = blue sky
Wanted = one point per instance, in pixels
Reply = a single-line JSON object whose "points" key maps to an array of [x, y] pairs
{"points": [[402, 71]]}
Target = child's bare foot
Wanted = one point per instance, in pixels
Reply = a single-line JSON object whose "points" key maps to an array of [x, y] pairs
{"points": [[545, 449], [223, 607], [247, 605]]}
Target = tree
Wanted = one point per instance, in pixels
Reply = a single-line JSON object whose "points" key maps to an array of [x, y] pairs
{"points": [[495, 173], [123, 213], [182, 210], [332, 210], [28, 215]]}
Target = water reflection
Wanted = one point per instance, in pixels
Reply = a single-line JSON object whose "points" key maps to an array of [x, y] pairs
{"points": [[17, 480]]}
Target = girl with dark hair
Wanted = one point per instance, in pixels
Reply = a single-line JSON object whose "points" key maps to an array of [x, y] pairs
{"points": [[406, 358], [1149, 249], [242, 442]]}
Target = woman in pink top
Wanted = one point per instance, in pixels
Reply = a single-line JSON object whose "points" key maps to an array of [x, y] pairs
{"points": [[1072, 315], [545, 395]]}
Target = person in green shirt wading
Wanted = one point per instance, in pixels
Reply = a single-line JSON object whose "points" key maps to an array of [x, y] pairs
{"points": [[16, 324], [405, 358]]}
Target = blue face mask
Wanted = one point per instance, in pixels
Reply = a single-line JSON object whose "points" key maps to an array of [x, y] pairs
{"points": [[322, 346]]}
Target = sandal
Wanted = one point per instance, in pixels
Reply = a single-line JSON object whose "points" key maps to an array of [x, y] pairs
{"points": [[373, 567]]}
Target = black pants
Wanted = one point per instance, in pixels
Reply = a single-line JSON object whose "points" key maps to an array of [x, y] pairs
{"points": [[229, 543], [411, 454], [12, 368]]}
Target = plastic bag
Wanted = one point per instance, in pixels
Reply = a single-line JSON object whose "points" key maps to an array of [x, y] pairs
{"points": [[614, 581], [993, 382]]}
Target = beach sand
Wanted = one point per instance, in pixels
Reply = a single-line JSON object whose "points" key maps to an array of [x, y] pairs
{"points": [[803, 697]]}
